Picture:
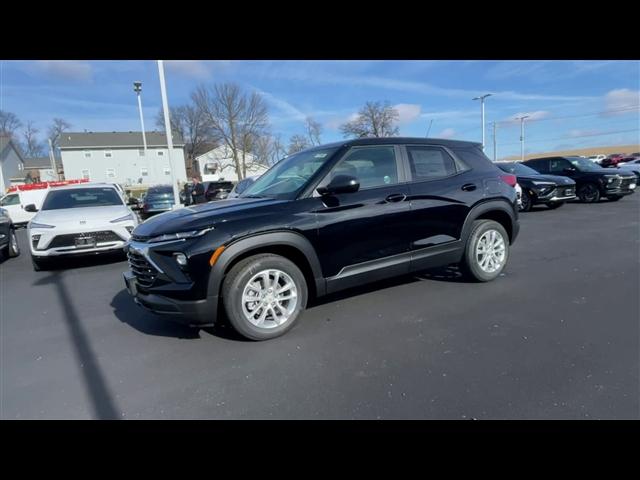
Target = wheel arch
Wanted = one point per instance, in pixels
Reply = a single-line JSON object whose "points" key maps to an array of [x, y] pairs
{"points": [[500, 211]]}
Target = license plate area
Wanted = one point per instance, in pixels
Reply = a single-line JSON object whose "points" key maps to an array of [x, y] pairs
{"points": [[85, 242]]}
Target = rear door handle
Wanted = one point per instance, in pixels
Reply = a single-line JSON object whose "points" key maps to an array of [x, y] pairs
{"points": [[469, 187], [395, 197]]}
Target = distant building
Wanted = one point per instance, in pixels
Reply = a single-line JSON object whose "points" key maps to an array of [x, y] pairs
{"points": [[39, 169], [11, 163], [218, 164], [119, 157]]}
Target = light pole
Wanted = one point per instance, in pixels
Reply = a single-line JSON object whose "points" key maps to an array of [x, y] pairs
{"points": [[481, 98], [495, 146], [167, 129], [137, 87], [522, 136]]}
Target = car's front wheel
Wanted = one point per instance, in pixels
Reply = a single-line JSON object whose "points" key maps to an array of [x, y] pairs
{"points": [[487, 251], [12, 249], [264, 295], [589, 193], [526, 202]]}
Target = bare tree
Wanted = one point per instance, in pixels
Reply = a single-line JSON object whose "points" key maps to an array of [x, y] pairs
{"points": [[373, 120], [9, 123], [236, 118], [314, 130], [297, 143], [269, 150], [32, 146], [56, 130]]}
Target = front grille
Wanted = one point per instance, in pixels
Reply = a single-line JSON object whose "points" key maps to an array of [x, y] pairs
{"points": [[626, 182], [69, 240], [145, 272]]}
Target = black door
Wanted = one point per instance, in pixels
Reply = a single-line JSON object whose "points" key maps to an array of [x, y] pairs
{"points": [[365, 233], [441, 192]]}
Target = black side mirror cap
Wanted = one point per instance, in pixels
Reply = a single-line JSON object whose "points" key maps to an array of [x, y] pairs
{"points": [[30, 208], [340, 184]]}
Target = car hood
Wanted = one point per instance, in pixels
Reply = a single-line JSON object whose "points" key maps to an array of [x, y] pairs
{"points": [[557, 179], [201, 216], [89, 215]]}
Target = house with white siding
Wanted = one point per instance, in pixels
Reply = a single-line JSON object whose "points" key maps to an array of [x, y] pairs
{"points": [[218, 164], [120, 157], [11, 163]]}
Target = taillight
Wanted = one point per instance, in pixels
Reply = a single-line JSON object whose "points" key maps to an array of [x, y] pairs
{"points": [[509, 179]]}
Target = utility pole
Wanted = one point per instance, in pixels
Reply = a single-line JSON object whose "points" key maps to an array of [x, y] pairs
{"points": [[430, 123], [481, 98], [137, 87], [495, 147], [167, 129], [522, 136]]}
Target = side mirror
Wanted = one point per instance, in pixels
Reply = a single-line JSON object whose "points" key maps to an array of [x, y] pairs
{"points": [[30, 208], [340, 184]]}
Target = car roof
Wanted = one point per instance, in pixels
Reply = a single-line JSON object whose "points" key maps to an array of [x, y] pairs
{"points": [[83, 185], [396, 140]]}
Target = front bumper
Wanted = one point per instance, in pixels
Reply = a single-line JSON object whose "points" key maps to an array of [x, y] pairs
{"points": [[44, 246], [196, 313]]}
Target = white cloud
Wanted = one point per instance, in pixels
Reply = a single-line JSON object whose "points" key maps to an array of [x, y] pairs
{"points": [[407, 112], [66, 70], [581, 133], [621, 99], [189, 68], [290, 111], [335, 122], [537, 115], [446, 133]]}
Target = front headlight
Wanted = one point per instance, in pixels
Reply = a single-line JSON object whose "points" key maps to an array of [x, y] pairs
{"points": [[40, 225], [544, 184], [123, 219], [180, 235]]}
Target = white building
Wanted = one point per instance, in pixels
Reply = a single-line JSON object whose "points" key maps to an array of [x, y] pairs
{"points": [[119, 157], [11, 163], [218, 164]]}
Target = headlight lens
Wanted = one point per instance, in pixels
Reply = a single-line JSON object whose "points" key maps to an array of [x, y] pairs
{"points": [[123, 219], [40, 225], [180, 235]]}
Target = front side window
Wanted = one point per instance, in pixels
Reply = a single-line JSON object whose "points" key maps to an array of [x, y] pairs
{"points": [[430, 163], [289, 176], [557, 165], [81, 197], [371, 166], [10, 200]]}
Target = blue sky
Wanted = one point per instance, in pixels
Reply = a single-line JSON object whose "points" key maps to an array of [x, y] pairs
{"points": [[599, 97]]}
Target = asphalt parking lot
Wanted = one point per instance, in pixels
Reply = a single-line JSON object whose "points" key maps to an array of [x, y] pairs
{"points": [[556, 337]]}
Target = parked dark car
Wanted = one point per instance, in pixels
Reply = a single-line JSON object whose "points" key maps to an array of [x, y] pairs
{"points": [[8, 240], [592, 181], [217, 190], [322, 220], [158, 199], [550, 190]]}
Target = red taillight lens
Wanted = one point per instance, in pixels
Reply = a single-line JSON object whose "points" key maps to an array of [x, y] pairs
{"points": [[509, 179]]}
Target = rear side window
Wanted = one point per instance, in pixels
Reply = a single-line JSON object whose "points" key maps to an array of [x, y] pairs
{"points": [[429, 163], [538, 165], [10, 200]]}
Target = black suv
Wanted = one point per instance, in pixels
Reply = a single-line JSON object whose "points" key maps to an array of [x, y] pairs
{"points": [[8, 240], [592, 181], [550, 190], [323, 220]]}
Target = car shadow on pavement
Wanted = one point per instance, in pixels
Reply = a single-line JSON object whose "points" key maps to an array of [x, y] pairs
{"points": [[68, 263], [102, 401]]}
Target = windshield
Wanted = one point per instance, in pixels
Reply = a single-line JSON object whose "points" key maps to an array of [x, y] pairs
{"points": [[81, 197], [285, 179], [584, 164], [518, 169]]}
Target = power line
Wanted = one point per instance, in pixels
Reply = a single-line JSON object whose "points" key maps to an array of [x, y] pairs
{"points": [[622, 109], [574, 136]]}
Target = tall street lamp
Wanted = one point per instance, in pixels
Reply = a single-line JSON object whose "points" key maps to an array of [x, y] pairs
{"points": [[167, 129], [481, 98], [137, 87], [522, 136]]}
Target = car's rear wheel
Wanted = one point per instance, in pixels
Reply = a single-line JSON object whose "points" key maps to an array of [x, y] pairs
{"points": [[554, 205], [486, 252], [589, 193], [614, 198], [526, 202], [12, 249], [264, 295]]}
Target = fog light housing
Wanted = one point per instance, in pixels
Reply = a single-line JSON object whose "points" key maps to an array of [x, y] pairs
{"points": [[181, 259], [129, 229], [34, 241]]}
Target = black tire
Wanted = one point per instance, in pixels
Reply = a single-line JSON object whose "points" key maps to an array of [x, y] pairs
{"points": [[469, 265], [554, 205], [526, 201], [233, 289], [38, 264], [589, 193], [13, 249], [614, 198]]}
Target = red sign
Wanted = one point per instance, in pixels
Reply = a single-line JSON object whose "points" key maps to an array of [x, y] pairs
{"points": [[41, 185]]}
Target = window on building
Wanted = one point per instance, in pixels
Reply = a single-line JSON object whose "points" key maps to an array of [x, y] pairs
{"points": [[141, 152], [160, 153], [167, 171], [107, 153], [87, 154], [111, 172], [144, 172], [86, 174]]}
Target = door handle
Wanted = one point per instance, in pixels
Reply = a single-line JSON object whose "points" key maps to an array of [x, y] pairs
{"points": [[395, 197], [469, 187]]}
